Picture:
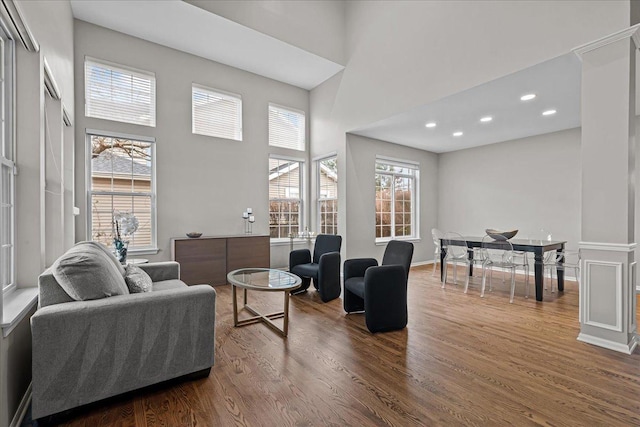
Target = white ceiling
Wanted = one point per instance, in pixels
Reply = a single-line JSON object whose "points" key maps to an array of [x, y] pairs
{"points": [[556, 84], [188, 28]]}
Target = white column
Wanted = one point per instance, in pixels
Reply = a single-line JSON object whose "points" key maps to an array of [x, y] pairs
{"points": [[607, 293]]}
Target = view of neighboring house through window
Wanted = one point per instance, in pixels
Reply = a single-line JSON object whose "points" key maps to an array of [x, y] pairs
{"points": [[285, 200], [7, 179], [122, 180], [286, 128], [116, 92], [328, 195], [216, 113], [396, 199]]}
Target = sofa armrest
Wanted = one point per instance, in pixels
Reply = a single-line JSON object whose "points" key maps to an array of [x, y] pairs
{"points": [[299, 256], [358, 266], [84, 351], [159, 271]]}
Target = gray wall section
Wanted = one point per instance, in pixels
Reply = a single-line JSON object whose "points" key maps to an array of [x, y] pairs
{"points": [[360, 203], [526, 184], [203, 183], [317, 26]]}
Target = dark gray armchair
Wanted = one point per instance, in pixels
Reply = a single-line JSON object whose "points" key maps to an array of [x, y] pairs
{"points": [[324, 268], [381, 291]]}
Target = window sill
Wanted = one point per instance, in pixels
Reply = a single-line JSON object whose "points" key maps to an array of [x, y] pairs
{"points": [[16, 304], [148, 251], [382, 242]]}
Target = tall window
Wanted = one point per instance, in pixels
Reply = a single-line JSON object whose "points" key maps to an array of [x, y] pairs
{"points": [[328, 195], [216, 113], [285, 197], [7, 180], [396, 199], [116, 92], [122, 181], [286, 128]]}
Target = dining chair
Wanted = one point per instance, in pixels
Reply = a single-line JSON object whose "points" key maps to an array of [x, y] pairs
{"points": [[549, 257], [567, 260], [457, 252], [436, 235], [498, 253]]}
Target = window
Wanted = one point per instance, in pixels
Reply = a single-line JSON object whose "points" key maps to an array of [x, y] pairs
{"points": [[115, 92], [396, 201], [122, 180], [7, 167], [216, 113], [286, 128], [285, 203], [328, 195]]}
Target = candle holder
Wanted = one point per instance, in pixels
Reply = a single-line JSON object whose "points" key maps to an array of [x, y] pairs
{"points": [[249, 219]]}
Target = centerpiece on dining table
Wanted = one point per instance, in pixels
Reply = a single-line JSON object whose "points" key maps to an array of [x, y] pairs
{"points": [[501, 235]]}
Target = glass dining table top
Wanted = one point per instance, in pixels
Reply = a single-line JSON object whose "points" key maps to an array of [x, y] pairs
{"points": [[264, 279]]}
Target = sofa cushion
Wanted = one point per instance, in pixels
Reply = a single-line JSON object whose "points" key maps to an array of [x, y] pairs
{"points": [[137, 280], [164, 285], [86, 272], [110, 254]]}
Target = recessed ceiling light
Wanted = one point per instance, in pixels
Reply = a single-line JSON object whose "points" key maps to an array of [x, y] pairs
{"points": [[457, 133], [486, 119], [548, 112], [431, 124], [527, 97]]}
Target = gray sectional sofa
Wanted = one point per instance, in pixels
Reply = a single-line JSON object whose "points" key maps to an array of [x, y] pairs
{"points": [[88, 350]]}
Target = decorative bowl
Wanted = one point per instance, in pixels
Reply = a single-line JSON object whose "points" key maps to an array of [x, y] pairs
{"points": [[194, 234], [501, 235]]}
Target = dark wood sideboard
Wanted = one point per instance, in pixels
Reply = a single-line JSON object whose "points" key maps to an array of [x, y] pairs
{"points": [[209, 259]]}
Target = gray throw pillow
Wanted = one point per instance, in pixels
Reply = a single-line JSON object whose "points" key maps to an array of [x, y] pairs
{"points": [[86, 272], [110, 254], [137, 279]]}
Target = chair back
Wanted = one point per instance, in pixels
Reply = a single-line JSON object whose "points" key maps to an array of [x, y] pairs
{"points": [[455, 245], [326, 243], [436, 235], [497, 251], [398, 253]]}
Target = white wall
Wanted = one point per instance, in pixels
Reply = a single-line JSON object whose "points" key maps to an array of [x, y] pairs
{"points": [[401, 54], [203, 183], [317, 26], [360, 204], [527, 184]]}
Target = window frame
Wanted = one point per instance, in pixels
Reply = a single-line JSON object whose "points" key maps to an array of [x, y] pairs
{"points": [[319, 198], [9, 136], [415, 195], [214, 91], [290, 110], [153, 248], [301, 199], [115, 66]]}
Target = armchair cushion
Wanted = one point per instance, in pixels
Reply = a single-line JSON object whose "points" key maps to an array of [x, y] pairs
{"points": [[306, 270], [355, 285], [137, 280], [357, 267], [86, 272]]}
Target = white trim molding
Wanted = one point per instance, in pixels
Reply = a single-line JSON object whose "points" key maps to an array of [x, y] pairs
{"points": [[22, 408], [611, 247], [611, 345], [611, 38], [586, 295]]}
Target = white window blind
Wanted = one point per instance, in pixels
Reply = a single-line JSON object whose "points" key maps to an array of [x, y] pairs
{"points": [[115, 92], [216, 113], [286, 128]]}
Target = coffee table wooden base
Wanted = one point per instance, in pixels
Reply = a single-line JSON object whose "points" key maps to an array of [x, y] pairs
{"points": [[258, 317]]}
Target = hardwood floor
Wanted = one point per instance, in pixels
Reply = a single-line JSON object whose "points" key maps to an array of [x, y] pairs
{"points": [[462, 360]]}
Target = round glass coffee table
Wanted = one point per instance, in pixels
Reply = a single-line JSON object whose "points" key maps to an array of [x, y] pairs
{"points": [[263, 279]]}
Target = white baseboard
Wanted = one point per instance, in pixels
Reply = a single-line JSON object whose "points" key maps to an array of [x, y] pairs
{"points": [[600, 342], [22, 408], [419, 263]]}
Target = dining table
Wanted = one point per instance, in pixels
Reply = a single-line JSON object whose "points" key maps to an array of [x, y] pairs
{"points": [[537, 247]]}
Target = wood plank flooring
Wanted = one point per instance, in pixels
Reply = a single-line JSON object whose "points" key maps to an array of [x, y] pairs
{"points": [[462, 360]]}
